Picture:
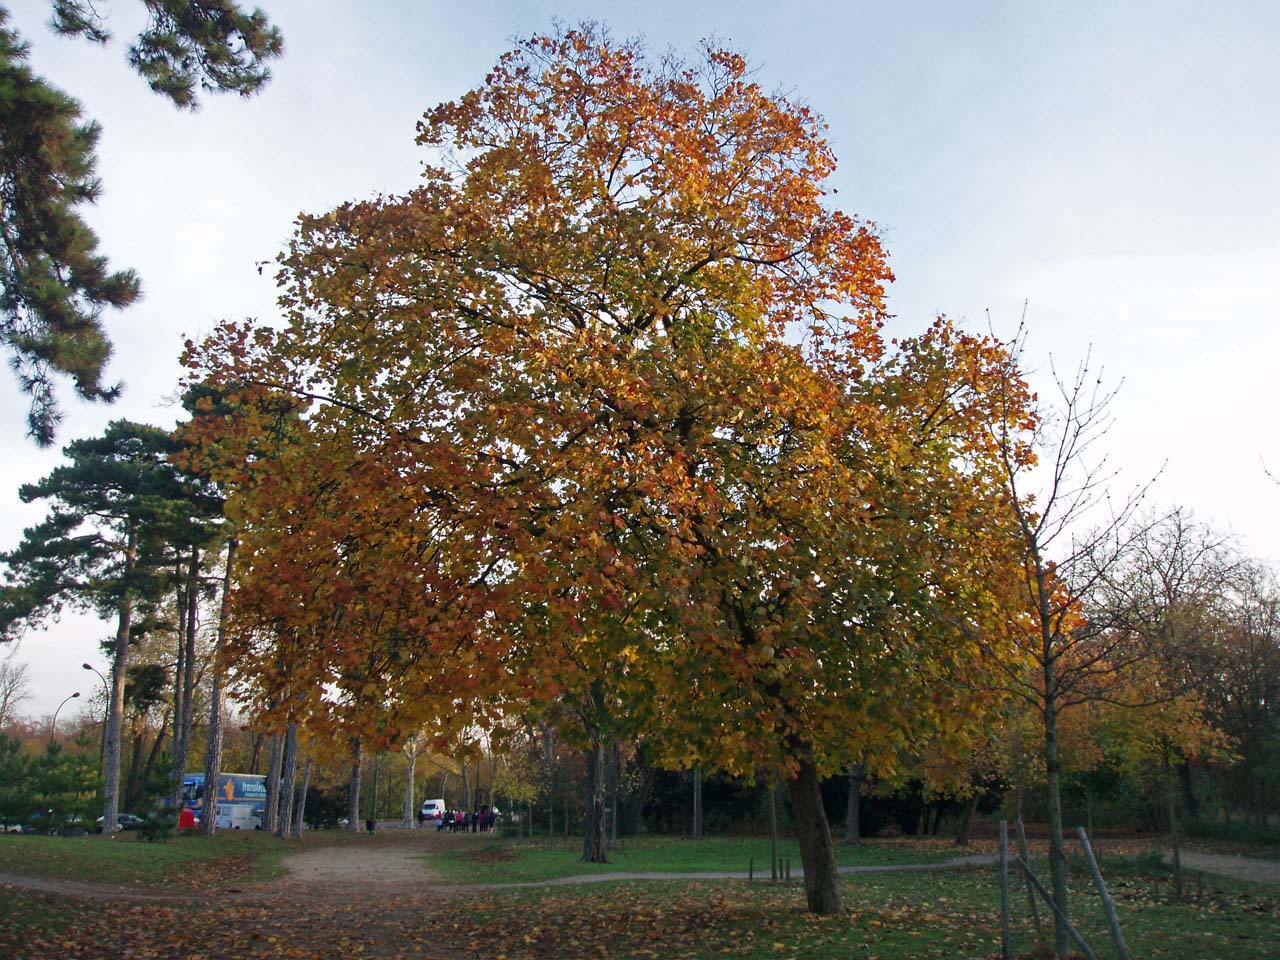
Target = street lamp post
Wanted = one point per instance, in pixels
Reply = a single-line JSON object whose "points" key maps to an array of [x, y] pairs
{"points": [[54, 725], [106, 703]]}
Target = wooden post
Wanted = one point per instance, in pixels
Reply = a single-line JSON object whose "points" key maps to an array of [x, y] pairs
{"points": [[1006, 937], [1107, 904], [1048, 898], [1031, 893]]}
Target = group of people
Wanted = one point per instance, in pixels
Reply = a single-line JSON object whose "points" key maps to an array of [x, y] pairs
{"points": [[459, 821]]}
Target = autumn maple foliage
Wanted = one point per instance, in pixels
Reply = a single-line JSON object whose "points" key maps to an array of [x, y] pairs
{"points": [[600, 415]]}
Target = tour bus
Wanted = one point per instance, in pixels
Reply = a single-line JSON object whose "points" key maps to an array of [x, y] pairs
{"points": [[243, 790]]}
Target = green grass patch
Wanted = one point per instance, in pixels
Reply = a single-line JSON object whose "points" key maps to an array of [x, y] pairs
{"points": [[519, 861], [892, 916], [122, 859]]}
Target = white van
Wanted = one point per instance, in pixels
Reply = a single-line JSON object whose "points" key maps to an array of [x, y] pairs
{"points": [[238, 816], [433, 809]]}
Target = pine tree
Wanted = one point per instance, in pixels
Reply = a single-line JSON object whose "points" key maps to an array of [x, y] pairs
{"points": [[118, 510], [54, 285]]}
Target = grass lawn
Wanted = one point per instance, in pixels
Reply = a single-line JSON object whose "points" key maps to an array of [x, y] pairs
{"points": [[524, 861], [890, 916], [953, 914], [185, 862]]}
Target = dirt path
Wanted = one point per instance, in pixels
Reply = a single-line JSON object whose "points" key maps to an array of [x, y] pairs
{"points": [[397, 866], [388, 867], [1238, 868]]}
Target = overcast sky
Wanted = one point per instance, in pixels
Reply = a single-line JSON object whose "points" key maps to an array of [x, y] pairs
{"points": [[1112, 165]]}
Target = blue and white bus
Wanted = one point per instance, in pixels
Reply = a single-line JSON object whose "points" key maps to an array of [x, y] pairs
{"points": [[238, 795]]}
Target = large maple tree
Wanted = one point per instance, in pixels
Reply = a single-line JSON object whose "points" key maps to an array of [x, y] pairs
{"points": [[600, 414]]}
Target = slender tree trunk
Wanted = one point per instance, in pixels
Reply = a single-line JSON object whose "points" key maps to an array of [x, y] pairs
{"points": [[256, 756], [185, 671], [301, 808], [593, 846], [156, 747], [288, 785], [119, 669], [189, 643], [817, 852], [773, 831], [548, 763], [409, 820], [353, 787], [135, 760], [636, 802], [217, 696], [697, 803], [274, 762], [615, 768], [853, 811], [966, 821], [1190, 802], [1174, 840], [1057, 848], [179, 747]]}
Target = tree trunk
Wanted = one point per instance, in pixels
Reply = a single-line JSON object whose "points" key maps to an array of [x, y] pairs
{"points": [[274, 762], [189, 643], [593, 846], [615, 781], [217, 696], [966, 821], [773, 832], [353, 787], [1171, 801], [135, 761], [697, 803], [1057, 848], [548, 763], [636, 802], [301, 808], [853, 811], [466, 787], [409, 820], [256, 757], [1190, 802], [288, 785], [119, 668], [179, 746], [817, 853], [156, 746]]}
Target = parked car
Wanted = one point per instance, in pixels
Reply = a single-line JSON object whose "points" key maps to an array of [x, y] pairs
{"points": [[125, 821], [11, 828]]}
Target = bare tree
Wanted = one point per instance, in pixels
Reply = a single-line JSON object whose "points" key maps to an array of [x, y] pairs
{"points": [[411, 747], [13, 688], [1074, 539]]}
